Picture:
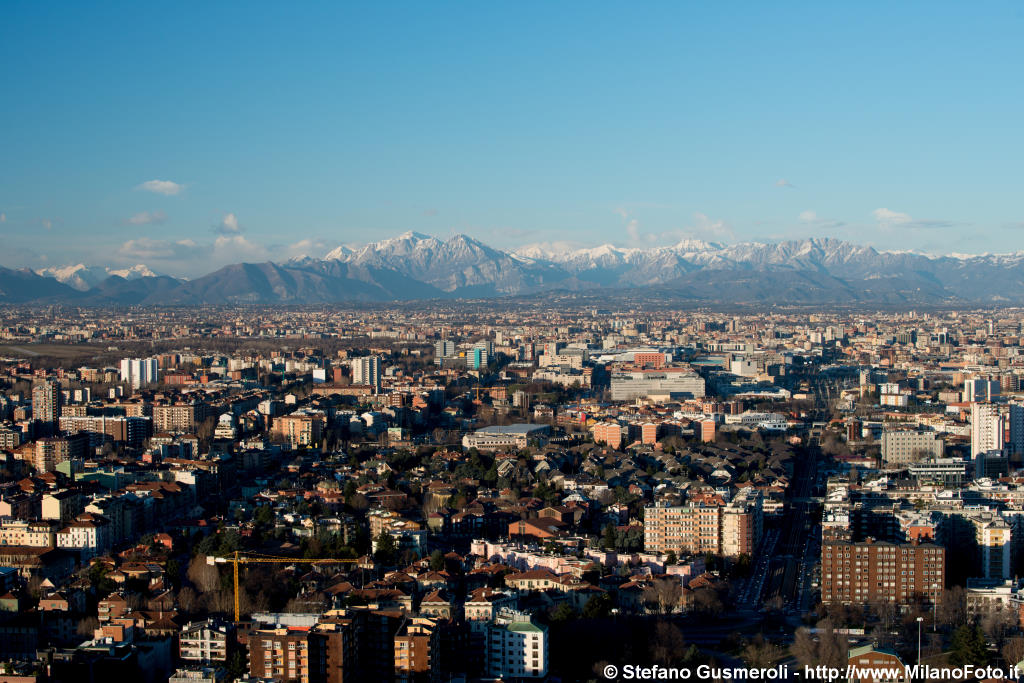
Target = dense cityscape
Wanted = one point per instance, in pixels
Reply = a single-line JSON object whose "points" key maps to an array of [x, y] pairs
{"points": [[480, 492], [504, 342]]}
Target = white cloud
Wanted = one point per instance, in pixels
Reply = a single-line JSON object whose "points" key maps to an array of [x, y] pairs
{"points": [[147, 218], [3, 217], [307, 247], [47, 223], [236, 247], [633, 230], [228, 225], [159, 250], [782, 182], [888, 217], [717, 229], [164, 187], [812, 218]]}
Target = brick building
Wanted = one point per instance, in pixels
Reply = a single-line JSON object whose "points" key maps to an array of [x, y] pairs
{"points": [[879, 571]]}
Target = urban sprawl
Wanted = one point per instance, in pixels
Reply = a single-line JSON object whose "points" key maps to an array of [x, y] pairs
{"points": [[466, 491]]}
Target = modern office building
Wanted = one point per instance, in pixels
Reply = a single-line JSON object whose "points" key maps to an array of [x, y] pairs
{"points": [[629, 385]]}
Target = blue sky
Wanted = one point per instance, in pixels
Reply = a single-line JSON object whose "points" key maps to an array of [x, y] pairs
{"points": [[286, 128]]}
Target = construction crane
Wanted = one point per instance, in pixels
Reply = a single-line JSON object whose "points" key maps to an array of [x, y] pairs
{"points": [[238, 558]]}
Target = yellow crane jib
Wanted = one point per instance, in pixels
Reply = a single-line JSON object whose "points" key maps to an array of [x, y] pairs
{"points": [[238, 558]]}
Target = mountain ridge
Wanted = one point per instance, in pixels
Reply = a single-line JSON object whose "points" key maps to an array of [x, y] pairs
{"points": [[414, 266]]}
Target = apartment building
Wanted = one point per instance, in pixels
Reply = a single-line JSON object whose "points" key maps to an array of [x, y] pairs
{"points": [[516, 647], [905, 446], [181, 418], [302, 654], [729, 529], [301, 428], [879, 571], [206, 641], [608, 433], [417, 650]]}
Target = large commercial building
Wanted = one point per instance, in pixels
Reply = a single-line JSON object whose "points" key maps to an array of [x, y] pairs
{"points": [[729, 529], [511, 436], [444, 348], [980, 390], [905, 446], [629, 385], [879, 571]]}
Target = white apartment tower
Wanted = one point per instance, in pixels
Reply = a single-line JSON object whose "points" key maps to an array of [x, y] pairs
{"points": [[516, 646], [987, 428], [366, 370], [138, 372]]}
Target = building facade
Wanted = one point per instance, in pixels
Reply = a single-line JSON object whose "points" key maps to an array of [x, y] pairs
{"points": [[869, 571]]}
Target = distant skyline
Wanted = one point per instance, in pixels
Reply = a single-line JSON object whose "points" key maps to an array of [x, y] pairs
{"points": [[188, 136]]}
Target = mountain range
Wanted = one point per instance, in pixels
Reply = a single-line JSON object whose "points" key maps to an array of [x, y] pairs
{"points": [[414, 266]]}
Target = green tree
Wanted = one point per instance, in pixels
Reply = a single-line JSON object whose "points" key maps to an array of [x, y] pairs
{"points": [[265, 515], [437, 560], [968, 646], [598, 606], [564, 612], [609, 537], [386, 552], [237, 666]]}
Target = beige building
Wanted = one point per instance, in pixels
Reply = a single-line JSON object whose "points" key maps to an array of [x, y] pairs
{"points": [[729, 529]]}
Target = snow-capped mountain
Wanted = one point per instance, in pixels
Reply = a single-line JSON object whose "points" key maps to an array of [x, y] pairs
{"points": [[84, 278], [418, 266], [460, 263]]}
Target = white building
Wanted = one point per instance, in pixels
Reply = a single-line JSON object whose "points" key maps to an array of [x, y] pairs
{"points": [[139, 372], [366, 371], [671, 382], [510, 436], [758, 420], [88, 535], [206, 641], [904, 446], [987, 428], [226, 428], [516, 647]]}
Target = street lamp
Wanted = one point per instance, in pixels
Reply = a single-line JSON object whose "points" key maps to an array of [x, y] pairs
{"points": [[919, 620]]}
